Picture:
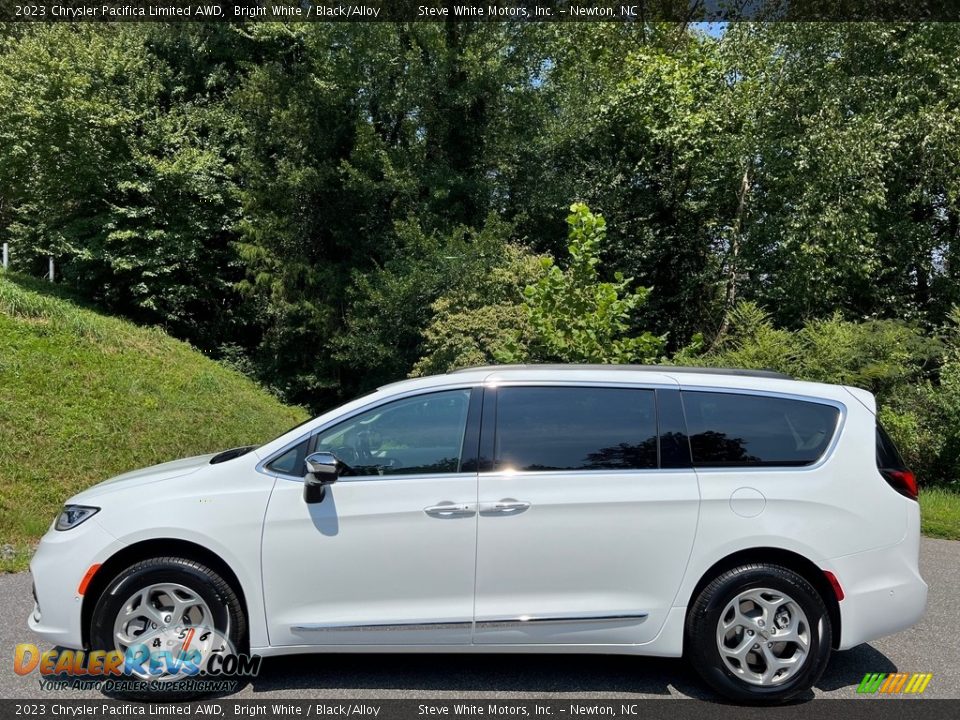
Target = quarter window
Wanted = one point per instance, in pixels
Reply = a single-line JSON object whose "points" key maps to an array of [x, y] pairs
{"points": [[292, 461], [738, 430], [559, 428], [418, 435]]}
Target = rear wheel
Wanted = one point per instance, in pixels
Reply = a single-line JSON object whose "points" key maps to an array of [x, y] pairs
{"points": [[171, 605], [759, 633]]}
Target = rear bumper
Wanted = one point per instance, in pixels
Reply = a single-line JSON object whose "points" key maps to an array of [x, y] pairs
{"points": [[883, 590]]}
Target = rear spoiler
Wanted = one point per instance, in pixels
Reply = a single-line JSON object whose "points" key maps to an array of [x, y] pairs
{"points": [[864, 397]]}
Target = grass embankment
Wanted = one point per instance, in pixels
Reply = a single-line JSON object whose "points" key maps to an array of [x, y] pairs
{"points": [[940, 513], [84, 396]]}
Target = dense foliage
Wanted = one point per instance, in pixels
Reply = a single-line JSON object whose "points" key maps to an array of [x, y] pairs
{"points": [[332, 206]]}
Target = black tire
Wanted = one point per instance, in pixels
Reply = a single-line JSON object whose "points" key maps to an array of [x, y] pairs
{"points": [[220, 597], [705, 614]]}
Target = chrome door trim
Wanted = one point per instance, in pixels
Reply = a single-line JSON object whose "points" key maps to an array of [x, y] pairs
{"points": [[381, 627], [503, 621], [507, 621]]}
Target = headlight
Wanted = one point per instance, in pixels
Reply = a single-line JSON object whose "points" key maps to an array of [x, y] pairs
{"points": [[73, 515]]}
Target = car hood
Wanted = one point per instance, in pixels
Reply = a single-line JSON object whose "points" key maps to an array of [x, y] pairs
{"points": [[164, 471]]}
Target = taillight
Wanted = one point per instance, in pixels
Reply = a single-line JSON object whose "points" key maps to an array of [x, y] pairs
{"points": [[835, 584], [891, 466], [903, 481]]}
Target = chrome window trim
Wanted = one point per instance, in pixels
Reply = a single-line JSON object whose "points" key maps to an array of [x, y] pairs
{"points": [[261, 467], [581, 473], [825, 456]]}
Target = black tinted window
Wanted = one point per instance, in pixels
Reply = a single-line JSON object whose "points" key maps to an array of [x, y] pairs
{"points": [[730, 429], [292, 461], [888, 457], [575, 429]]}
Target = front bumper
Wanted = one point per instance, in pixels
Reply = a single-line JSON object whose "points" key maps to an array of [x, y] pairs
{"points": [[883, 590], [58, 566]]}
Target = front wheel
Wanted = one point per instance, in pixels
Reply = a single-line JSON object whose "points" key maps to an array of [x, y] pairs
{"points": [[759, 633], [168, 615]]}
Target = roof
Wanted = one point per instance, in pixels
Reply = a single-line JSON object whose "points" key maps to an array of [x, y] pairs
{"points": [[741, 372]]}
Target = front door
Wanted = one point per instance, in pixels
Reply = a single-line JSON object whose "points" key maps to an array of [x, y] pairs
{"points": [[388, 556], [586, 518]]}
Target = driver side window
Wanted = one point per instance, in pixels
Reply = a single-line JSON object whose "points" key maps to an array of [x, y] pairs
{"points": [[415, 436]]}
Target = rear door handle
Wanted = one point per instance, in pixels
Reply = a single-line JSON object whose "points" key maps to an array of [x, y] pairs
{"points": [[449, 510], [504, 507]]}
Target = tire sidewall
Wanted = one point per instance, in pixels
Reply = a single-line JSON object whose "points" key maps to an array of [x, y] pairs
{"points": [[703, 628], [223, 604]]}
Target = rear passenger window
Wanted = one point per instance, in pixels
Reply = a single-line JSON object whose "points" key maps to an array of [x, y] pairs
{"points": [[737, 430], [554, 428]]}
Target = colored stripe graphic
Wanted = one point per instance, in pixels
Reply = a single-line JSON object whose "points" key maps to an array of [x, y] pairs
{"points": [[894, 683], [871, 682], [918, 683]]}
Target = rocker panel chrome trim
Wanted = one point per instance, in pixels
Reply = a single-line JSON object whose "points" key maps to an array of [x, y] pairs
{"points": [[512, 622], [383, 627]]}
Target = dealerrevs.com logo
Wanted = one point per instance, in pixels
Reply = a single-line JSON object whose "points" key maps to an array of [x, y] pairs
{"points": [[171, 658], [895, 683]]}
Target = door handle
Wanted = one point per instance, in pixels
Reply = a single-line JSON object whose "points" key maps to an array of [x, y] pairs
{"points": [[449, 510], [504, 507]]}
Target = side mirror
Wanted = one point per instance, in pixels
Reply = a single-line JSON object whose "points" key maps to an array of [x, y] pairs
{"points": [[323, 468]]}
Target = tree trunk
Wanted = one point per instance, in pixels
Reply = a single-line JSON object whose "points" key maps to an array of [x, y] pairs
{"points": [[730, 299]]}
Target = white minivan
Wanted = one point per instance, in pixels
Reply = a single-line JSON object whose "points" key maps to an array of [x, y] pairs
{"points": [[742, 519]]}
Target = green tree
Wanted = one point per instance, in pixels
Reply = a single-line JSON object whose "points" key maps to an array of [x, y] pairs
{"points": [[483, 319], [847, 137], [391, 307], [108, 165], [574, 316]]}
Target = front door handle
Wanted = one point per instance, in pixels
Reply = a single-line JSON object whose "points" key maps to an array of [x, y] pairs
{"points": [[504, 507], [449, 510]]}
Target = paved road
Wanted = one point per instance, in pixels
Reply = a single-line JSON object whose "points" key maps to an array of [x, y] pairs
{"points": [[931, 646]]}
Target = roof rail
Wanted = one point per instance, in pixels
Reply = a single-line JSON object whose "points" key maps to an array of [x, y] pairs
{"points": [[648, 368]]}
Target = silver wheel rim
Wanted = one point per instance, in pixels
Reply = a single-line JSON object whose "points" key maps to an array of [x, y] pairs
{"points": [[156, 607], [763, 637]]}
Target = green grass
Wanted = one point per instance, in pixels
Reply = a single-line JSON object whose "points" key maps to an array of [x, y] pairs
{"points": [[940, 513], [84, 396]]}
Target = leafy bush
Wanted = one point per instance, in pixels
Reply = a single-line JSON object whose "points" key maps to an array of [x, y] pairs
{"points": [[483, 320], [878, 355]]}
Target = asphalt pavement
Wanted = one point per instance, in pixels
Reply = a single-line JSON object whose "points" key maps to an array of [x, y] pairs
{"points": [[933, 645]]}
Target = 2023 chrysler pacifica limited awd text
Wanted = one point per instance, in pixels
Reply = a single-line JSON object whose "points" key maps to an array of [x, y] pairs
{"points": [[743, 519]]}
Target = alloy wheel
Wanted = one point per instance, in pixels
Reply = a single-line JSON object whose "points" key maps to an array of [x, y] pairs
{"points": [[763, 637]]}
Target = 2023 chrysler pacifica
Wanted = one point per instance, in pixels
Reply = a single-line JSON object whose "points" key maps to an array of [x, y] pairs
{"points": [[745, 520]]}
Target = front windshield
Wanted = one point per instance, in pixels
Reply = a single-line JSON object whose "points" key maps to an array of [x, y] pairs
{"points": [[314, 417]]}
